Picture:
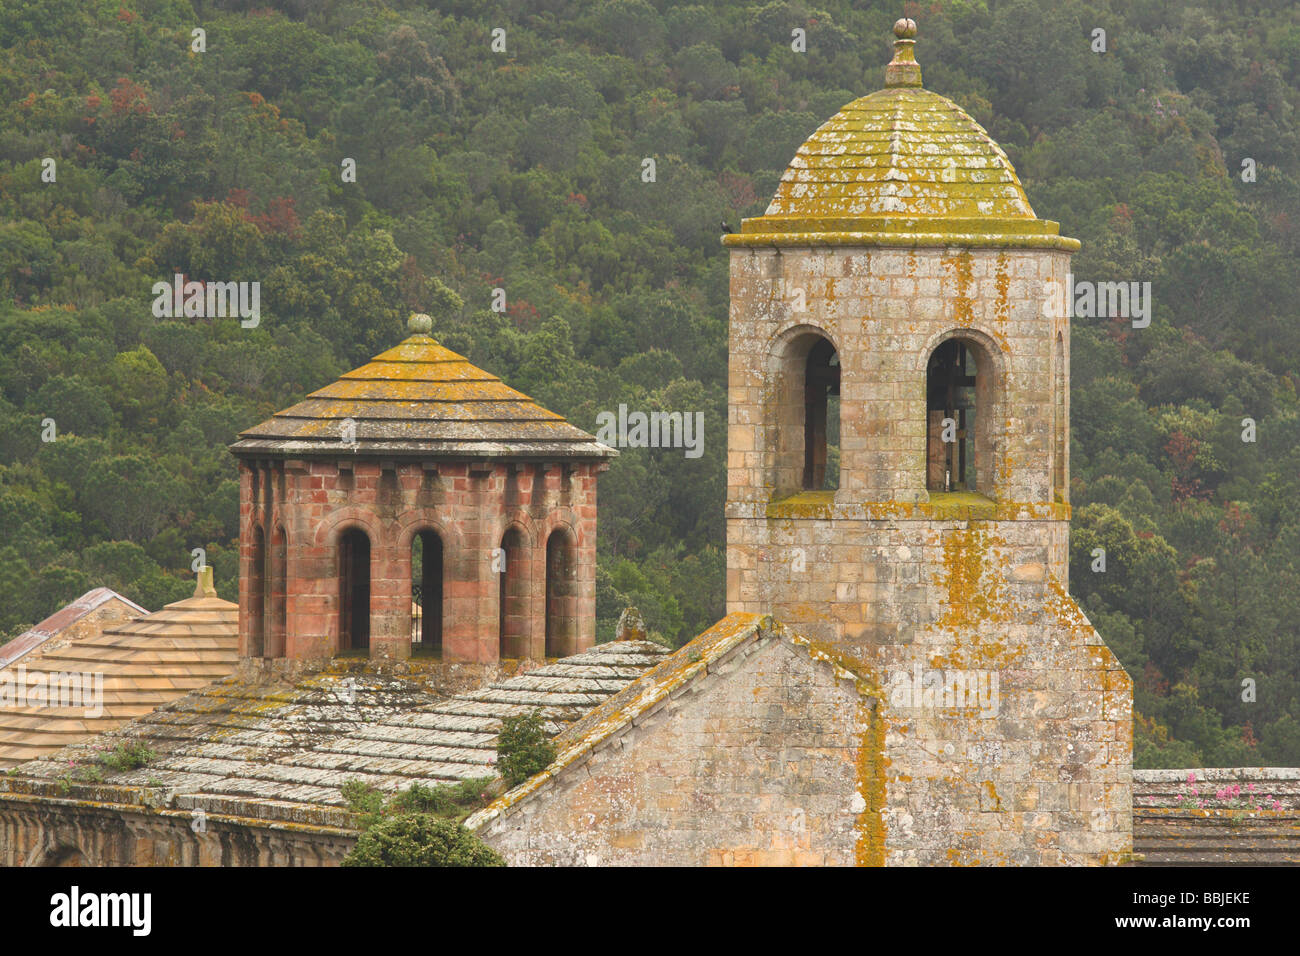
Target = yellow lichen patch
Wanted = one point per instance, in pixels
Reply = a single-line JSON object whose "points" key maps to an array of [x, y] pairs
{"points": [[960, 506], [959, 270], [973, 594], [961, 856], [972, 577], [1002, 304], [805, 504], [941, 506], [991, 792], [873, 766]]}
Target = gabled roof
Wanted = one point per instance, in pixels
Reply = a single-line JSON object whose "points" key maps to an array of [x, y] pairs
{"points": [[674, 677], [61, 620], [137, 666], [419, 399]]}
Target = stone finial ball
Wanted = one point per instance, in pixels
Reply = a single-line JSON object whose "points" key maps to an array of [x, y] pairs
{"points": [[419, 323], [905, 29]]}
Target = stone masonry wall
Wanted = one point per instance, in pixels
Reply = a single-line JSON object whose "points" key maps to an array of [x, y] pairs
{"points": [[929, 589], [1045, 777], [469, 506], [759, 763], [885, 310], [48, 832]]}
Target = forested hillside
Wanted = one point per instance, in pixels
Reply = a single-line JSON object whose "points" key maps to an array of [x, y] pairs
{"points": [[522, 170]]}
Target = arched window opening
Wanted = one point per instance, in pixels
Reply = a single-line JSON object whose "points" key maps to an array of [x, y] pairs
{"points": [[66, 856], [354, 591], [805, 434], [512, 602], [1059, 432], [952, 397], [821, 433], [257, 595], [279, 577], [426, 594], [560, 594]]}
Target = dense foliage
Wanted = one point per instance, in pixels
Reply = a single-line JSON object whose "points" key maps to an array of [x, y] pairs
{"points": [[522, 171], [420, 839], [419, 826], [523, 749]]}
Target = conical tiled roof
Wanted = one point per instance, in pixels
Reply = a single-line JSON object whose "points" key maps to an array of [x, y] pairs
{"points": [[142, 664], [419, 399], [902, 166]]}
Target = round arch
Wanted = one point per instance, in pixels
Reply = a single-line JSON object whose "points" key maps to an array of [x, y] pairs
{"points": [[957, 454], [561, 593], [802, 409], [328, 533]]}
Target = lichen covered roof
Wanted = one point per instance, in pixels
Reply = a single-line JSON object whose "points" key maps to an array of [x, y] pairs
{"points": [[901, 166], [137, 667], [247, 748], [419, 399], [1217, 816]]}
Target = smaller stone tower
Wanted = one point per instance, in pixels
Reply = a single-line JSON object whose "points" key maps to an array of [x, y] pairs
{"points": [[418, 503]]}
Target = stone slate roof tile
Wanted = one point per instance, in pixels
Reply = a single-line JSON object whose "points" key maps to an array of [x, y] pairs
{"points": [[283, 751], [1258, 827], [416, 399]]}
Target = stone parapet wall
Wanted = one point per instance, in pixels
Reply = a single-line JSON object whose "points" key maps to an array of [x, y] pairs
{"points": [[46, 831]]}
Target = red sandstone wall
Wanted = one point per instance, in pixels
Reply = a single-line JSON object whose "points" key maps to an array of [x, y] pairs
{"points": [[315, 502]]}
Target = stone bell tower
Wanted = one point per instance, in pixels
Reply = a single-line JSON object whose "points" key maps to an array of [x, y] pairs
{"points": [[898, 475]]}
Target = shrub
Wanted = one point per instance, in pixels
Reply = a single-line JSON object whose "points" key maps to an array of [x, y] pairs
{"points": [[523, 748], [420, 839], [420, 826], [127, 756]]}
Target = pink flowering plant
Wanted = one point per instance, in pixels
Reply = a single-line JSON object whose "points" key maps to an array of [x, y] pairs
{"points": [[1228, 797]]}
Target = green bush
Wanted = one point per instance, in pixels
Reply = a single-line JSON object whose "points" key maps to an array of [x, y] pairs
{"points": [[420, 826], [420, 839], [127, 756], [523, 748]]}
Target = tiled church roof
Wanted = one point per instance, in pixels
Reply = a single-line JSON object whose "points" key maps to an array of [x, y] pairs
{"points": [[1233, 816], [419, 398], [144, 663], [58, 623], [250, 749]]}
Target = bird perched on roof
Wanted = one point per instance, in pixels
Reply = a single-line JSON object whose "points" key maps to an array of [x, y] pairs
{"points": [[725, 228]]}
